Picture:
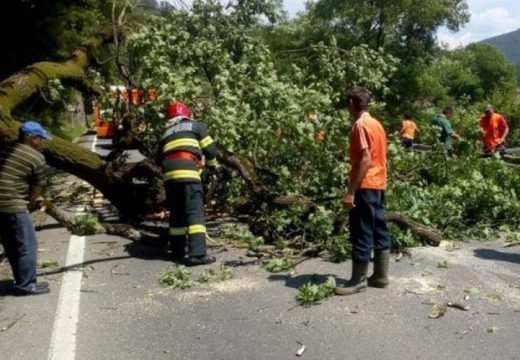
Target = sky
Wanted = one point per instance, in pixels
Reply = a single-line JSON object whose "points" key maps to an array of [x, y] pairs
{"points": [[488, 18]]}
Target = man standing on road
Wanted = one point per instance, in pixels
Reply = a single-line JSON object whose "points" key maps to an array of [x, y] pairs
{"points": [[447, 134], [183, 144], [21, 179], [495, 129], [365, 197]]}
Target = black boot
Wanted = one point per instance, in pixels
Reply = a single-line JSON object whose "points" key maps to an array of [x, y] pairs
{"points": [[379, 278], [358, 281], [199, 260]]}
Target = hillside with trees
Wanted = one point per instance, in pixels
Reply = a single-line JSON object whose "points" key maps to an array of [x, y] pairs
{"points": [[508, 44], [253, 75]]}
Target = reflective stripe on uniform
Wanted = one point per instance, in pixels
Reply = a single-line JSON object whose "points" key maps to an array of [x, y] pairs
{"points": [[181, 174], [196, 229], [180, 143], [212, 162], [178, 231], [206, 142]]}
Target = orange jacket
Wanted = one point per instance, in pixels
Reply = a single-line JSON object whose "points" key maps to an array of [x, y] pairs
{"points": [[408, 129], [494, 127]]}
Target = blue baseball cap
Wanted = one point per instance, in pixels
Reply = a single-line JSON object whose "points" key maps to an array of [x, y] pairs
{"points": [[32, 128]]}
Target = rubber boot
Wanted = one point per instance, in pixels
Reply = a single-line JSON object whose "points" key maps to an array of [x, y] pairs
{"points": [[358, 281], [199, 260], [379, 278]]}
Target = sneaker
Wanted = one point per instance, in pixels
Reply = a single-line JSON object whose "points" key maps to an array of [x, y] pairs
{"points": [[199, 260], [38, 289]]}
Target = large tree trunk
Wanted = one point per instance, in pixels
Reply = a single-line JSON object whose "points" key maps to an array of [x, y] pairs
{"points": [[118, 185]]}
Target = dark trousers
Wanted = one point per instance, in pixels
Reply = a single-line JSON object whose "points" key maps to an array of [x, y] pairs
{"points": [[500, 148], [367, 224], [20, 245], [186, 204], [406, 142]]}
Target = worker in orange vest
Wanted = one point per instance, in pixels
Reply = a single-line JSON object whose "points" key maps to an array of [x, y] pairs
{"points": [[494, 127], [408, 130]]}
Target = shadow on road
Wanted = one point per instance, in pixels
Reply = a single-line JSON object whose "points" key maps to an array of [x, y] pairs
{"points": [[491, 254], [49, 226], [81, 265], [105, 146], [147, 251], [6, 287], [297, 281]]}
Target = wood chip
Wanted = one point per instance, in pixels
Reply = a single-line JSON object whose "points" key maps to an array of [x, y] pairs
{"points": [[438, 310], [301, 350], [459, 305]]}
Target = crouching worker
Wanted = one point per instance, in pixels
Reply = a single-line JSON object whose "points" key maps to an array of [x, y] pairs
{"points": [[365, 197], [183, 144], [21, 180]]}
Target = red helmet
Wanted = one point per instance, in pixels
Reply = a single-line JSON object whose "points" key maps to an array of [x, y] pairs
{"points": [[178, 109]]}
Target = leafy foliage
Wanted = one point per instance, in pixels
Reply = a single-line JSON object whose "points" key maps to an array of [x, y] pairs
{"points": [[279, 265], [87, 224], [47, 264], [471, 74], [219, 274], [255, 102], [465, 197], [255, 81], [179, 279], [230, 80], [311, 294]]}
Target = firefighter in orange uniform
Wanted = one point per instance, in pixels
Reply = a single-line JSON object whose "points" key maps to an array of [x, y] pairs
{"points": [[183, 144]]}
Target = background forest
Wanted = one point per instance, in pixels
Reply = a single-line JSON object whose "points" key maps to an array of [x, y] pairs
{"points": [[253, 75]]}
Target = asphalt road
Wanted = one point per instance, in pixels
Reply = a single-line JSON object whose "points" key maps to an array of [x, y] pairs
{"points": [[123, 313]]}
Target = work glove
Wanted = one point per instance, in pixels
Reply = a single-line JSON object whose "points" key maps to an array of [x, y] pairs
{"points": [[209, 173]]}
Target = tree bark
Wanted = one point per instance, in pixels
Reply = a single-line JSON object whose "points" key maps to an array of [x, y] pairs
{"points": [[119, 185], [20, 86], [428, 235]]}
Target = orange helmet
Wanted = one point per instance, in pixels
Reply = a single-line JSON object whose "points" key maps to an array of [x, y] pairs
{"points": [[178, 109]]}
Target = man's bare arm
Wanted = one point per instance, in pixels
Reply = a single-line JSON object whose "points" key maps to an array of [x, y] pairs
{"points": [[355, 183]]}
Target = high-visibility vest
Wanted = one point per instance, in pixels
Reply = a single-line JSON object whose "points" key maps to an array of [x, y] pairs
{"points": [[152, 95], [494, 128], [408, 129], [134, 96]]}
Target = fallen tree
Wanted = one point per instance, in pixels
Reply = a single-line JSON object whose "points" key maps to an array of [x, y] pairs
{"points": [[117, 183], [136, 188]]}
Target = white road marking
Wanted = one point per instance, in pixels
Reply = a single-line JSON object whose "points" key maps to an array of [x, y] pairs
{"points": [[63, 340]]}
